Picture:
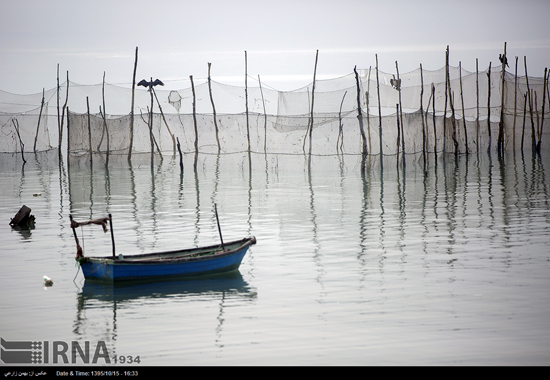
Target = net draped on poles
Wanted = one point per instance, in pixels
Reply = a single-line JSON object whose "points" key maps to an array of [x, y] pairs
{"points": [[279, 120]]}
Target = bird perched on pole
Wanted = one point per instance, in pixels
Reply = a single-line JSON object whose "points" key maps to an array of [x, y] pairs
{"points": [[150, 84], [502, 59], [395, 83]]}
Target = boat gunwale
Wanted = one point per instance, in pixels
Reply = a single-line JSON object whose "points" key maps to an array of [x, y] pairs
{"points": [[175, 256]]}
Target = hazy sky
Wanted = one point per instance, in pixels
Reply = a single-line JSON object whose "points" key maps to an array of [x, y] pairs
{"points": [[177, 39]]}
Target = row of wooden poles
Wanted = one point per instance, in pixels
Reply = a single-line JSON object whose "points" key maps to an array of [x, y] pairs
{"points": [[449, 101], [175, 140]]}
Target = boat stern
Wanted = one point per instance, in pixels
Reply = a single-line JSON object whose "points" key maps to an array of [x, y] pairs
{"points": [[97, 269]]}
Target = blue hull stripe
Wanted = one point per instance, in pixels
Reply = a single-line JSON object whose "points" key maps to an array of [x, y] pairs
{"points": [[112, 271]]}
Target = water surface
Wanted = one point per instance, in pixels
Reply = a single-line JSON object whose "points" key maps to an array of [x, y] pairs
{"points": [[440, 265]]}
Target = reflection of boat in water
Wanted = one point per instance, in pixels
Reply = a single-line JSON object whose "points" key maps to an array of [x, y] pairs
{"points": [[231, 283], [100, 296], [190, 262]]}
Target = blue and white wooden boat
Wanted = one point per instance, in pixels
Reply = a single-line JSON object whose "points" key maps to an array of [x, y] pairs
{"points": [[191, 262]]}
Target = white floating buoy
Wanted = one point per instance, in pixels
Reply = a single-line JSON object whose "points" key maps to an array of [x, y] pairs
{"points": [[48, 281]]}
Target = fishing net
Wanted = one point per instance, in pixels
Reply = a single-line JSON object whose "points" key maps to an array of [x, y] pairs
{"points": [[430, 118], [24, 126]]}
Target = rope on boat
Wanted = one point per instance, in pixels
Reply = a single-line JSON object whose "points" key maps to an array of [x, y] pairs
{"points": [[78, 270], [99, 221]]}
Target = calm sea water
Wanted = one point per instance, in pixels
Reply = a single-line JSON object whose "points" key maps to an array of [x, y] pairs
{"points": [[444, 266]]}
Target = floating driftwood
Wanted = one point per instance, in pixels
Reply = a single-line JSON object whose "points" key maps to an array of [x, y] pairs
{"points": [[23, 218]]}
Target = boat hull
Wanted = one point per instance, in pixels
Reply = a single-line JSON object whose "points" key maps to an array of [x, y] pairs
{"points": [[167, 265]]}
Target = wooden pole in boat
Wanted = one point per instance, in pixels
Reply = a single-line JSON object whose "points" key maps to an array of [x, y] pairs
{"points": [[219, 228], [79, 252], [112, 234]]}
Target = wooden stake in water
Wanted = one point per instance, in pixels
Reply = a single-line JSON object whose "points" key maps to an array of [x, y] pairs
{"points": [[489, 107], [422, 116], [195, 124], [360, 118], [246, 98], [265, 115], [39, 117], [500, 141], [132, 110], [544, 90], [89, 132], [104, 115], [530, 99], [312, 98], [433, 116], [379, 114], [181, 157], [477, 107], [213, 107], [515, 105], [463, 111]]}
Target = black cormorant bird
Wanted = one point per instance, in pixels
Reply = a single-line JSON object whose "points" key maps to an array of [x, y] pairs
{"points": [[145, 83], [503, 59]]}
